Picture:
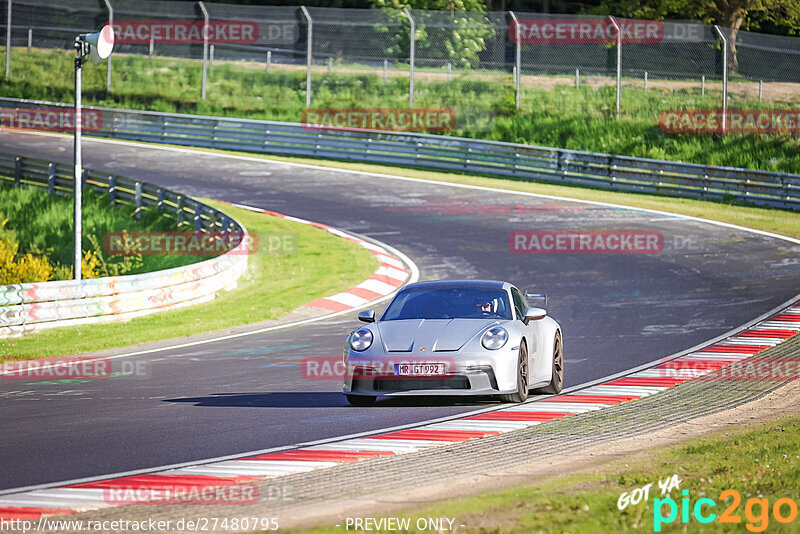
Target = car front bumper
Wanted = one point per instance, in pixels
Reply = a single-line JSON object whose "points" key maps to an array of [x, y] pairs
{"points": [[485, 373]]}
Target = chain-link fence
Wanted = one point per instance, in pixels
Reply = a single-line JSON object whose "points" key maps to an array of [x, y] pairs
{"points": [[281, 61]]}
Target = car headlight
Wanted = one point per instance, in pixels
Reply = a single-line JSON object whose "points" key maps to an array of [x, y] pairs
{"points": [[494, 338], [361, 339]]}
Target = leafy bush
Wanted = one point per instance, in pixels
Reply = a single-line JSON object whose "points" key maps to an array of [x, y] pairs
{"points": [[38, 245]]}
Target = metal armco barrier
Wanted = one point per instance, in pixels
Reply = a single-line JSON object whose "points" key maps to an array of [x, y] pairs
{"points": [[37, 306], [493, 158]]}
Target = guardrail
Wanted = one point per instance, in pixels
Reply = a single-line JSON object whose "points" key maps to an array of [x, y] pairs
{"points": [[36, 306], [493, 158]]}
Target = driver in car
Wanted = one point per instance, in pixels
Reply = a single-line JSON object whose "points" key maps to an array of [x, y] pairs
{"points": [[485, 307]]}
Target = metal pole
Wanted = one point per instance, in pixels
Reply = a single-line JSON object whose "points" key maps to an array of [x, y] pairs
{"points": [[724, 77], [645, 81], [110, 23], [330, 65], [309, 53], [205, 50], [78, 170], [385, 70], [760, 89], [577, 78], [619, 61], [151, 49], [703, 85], [517, 57], [412, 44], [30, 39], [269, 60], [8, 41], [449, 71], [211, 56]]}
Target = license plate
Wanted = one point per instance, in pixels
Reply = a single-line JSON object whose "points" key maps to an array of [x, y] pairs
{"points": [[420, 369]]}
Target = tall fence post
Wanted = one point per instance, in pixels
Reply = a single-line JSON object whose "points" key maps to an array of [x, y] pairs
{"points": [[619, 61], [179, 210], [112, 190], [205, 49], [8, 40], [17, 171], [110, 23], [412, 42], [269, 60], [51, 178], [30, 40], [724, 77], [309, 53], [137, 191], [517, 57]]}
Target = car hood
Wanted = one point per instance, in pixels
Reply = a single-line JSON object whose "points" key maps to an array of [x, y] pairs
{"points": [[406, 335]]}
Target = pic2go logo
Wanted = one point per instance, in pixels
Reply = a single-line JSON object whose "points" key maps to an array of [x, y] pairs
{"points": [[756, 511]]}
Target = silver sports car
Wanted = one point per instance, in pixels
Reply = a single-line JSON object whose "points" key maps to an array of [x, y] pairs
{"points": [[454, 338]]}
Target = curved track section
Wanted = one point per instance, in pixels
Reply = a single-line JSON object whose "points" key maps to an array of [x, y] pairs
{"points": [[618, 311]]}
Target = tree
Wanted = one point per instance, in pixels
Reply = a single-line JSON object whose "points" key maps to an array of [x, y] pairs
{"points": [[450, 30], [782, 16]]}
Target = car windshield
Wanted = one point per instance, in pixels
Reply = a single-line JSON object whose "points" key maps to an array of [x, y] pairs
{"points": [[449, 303]]}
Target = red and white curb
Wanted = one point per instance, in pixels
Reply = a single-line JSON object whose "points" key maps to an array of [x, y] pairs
{"points": [[193, 480], [391, 274]]}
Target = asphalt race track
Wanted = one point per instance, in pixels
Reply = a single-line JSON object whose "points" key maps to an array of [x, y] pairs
{"points": [[617, 311]]}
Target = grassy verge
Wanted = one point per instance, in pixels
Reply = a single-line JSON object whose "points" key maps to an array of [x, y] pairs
{"points": [[273, 285], [552, 112], [759, 463], [768, 219], [42, 225]]}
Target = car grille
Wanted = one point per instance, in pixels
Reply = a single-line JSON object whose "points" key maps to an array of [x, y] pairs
{"points": [[411, 384]]}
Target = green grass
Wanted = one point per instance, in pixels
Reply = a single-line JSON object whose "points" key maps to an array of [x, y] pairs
{"points": [[761, 462], [42, 224], [562, 116], [273, 285]]}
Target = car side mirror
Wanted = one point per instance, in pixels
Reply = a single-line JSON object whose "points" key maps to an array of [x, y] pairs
{"points": [[541, 296], [367, 316], [534, 314]]}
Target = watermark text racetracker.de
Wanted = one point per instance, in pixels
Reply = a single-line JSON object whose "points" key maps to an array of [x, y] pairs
{"points": [[171, 31], [585, 242], [762, 368], [150, 524], [50, 119], [736, 121], [586, 30], [198, 243], [335, 368], [183, 494], [72, 368], [379, 119]]}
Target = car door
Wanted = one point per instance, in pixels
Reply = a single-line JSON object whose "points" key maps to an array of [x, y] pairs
{"points": [[531, 334]]}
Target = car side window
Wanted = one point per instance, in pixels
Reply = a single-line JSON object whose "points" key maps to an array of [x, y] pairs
{"points": [[519, 303]]}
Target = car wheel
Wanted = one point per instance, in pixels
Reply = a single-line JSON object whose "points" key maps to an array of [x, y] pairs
{"points": [[522, 378], [358, 400], [557, 380]]}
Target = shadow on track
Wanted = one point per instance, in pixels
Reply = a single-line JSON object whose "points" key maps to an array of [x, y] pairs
{"points": [[299, 399]]}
